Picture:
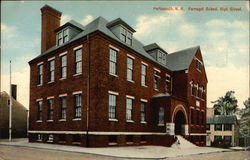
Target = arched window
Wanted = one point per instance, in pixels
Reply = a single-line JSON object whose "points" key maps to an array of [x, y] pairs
{"points": [[197, 90]]}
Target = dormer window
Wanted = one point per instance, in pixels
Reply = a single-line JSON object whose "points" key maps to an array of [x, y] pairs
{"points": [[126, 36], [62, 36], [161, 57]]}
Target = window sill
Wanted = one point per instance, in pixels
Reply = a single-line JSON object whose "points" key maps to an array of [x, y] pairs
{"points": [[130, 121], [39, 140], [39, 85], [156, 89], [160, 125], [144, 86], [143, 142], [129, 142], [76, 119], [62, 78], [131, 81], [51, 82], [112, 143], [77, 74], [113, 75], [113, 120], [39, 121], [198, 70], [50, 141], [50, 120], [62, 120], [143, 122]]}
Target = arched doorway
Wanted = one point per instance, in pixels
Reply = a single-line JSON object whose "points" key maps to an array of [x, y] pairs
{"points": [[179, 121]]}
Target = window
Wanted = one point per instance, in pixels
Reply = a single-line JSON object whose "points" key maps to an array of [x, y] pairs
{"points": [[156, 79], [39, 137], [39, 110], [51, 70], [62, 138], [129, 139], [197, 117], [218, 139], [62, 36], [161, 57], [113, 139], [161, 116], [65, 35], [40, 75], [78, 61], [112, 61], [129, 107], [143, 139], [130, 62], [126, 36], [50, 138], [192, 116], [63, 66], [207, 126], [50, 109], [143, 74], [78, 105], [63, 105], [168, 84], [112, 106], [198, 65], [218, 127], [197, 90], [228, 140], [76, 139], [227, 127], [143, 108], [192, 87]]}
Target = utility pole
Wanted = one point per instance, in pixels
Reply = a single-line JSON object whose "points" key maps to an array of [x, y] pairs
{"points": [[10, 108]]}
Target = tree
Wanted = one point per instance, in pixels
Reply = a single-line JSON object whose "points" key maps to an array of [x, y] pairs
{"points": [[245, 119], [226, 105]]}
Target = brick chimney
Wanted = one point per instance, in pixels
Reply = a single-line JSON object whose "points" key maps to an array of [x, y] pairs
{"points": [[50, 21]]}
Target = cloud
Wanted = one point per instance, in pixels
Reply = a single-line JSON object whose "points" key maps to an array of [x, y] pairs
{"points": [[225, 79], [65, 18], [7, 32], [247, 5], [21, 79], [188, 30], [87, 19]]}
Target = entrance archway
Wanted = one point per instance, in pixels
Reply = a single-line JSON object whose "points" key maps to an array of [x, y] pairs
{"points": [[179, 121]]}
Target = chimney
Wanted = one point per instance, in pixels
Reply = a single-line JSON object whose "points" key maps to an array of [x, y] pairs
{"points": [[13, 91], [50, 21]]}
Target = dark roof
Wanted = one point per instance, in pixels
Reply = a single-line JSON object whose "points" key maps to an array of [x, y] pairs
{"points": [[119, 21], [176, 61], [73, 24], [153, 46], [220, 119], [181, 60]]}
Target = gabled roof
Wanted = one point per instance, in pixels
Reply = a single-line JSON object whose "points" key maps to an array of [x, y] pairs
{"points": [[221, 119], [73, 24], [153, 46], [181, 60], [175, 62], [119, 21]]}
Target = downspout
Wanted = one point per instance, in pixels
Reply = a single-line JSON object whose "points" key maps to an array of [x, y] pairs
{"points": [[88, 95]]}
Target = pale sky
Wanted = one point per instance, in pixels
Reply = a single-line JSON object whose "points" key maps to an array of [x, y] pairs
{"points": [[222, 35]]}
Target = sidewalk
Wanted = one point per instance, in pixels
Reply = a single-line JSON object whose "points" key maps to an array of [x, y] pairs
{"points": [[155, 152]]}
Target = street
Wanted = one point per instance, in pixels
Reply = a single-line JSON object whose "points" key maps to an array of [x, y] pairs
{"points": [[25, 153]]}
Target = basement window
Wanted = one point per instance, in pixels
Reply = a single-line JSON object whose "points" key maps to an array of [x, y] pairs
{"points": [[112, 140], [143, 139], [129, 139], [61, 138], [50, 138], [39, 137], [76, 139]]}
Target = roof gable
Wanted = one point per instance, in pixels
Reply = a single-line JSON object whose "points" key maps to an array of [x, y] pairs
{"points": [[181, 60]]}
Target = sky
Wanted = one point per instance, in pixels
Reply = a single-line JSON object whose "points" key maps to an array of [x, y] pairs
{"points": [[222, 35]]}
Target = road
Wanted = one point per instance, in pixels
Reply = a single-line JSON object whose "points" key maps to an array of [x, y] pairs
{"points": [[23, 153]]}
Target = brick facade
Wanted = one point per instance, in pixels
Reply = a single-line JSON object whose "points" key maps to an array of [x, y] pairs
{"points": [[94, 129]]}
